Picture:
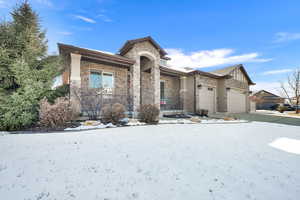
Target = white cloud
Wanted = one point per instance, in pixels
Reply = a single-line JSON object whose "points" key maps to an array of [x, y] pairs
{"points": [[66, 33], [279, 71], [285, 37], [45, 2], [273, 87], [104, 18], [85, 19], [209, 58]]}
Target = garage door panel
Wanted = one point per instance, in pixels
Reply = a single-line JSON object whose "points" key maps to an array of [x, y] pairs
{"points": [[236, 101], [207, 99]]}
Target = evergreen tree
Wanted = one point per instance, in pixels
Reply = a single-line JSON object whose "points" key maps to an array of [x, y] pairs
{"points": [[27, 70]]}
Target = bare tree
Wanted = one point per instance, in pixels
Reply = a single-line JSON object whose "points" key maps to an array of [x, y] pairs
{"points": [[292, 89]]}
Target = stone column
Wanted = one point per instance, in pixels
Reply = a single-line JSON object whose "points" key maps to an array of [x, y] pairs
{"points": [[155, 82], [182, 92], [135, 86], [75, 81]]}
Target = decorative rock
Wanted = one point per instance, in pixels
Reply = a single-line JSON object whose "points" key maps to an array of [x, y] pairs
{"points": [[91, 123]]}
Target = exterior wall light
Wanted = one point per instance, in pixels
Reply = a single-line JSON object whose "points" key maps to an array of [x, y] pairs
{"points": [[199, 86]]}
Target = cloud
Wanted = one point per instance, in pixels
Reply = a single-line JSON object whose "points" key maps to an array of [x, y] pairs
{"points": [[273, 87], [279, 71], [85, 19], [66, 33], [209, 58], [45, 2], [285, 37], [104, 18]]}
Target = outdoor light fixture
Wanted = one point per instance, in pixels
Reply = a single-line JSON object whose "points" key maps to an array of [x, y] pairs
{"points": [[228, 88], [199, 86]]}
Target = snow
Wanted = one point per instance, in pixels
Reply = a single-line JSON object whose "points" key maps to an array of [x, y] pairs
{"points": [[169, 161], [287, 144], [85, 127]]}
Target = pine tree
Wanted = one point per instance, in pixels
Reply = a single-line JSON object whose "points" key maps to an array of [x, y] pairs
{"points": [[29, 71]]}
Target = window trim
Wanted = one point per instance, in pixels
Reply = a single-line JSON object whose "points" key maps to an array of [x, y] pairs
{"points": [[101, 72]]}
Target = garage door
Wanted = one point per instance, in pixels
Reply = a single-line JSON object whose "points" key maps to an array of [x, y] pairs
{"points": [[236, 101], [207, 98]]}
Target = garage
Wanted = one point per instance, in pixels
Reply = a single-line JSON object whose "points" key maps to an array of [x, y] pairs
{"points": [[236, 101], [207, 98]]}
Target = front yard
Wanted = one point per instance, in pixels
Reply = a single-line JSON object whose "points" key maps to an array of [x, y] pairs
{"points": [[178, 161]]}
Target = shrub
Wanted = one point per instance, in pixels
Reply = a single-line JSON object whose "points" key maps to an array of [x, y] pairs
{"points": [[113, 113], [60, 91], [148, 113], [55, 115]]}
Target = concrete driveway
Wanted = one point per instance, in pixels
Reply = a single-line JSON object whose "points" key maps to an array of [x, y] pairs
{"points": [[201, 161], [264, 117]]}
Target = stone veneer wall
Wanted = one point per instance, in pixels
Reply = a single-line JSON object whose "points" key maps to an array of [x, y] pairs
{"points": [[120, 77], [144, 49], [172, 88], [189, 96]]}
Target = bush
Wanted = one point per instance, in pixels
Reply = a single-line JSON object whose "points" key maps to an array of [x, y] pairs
{"points": [[148, 113], [55, 115], [113, 113], [60, 91]]}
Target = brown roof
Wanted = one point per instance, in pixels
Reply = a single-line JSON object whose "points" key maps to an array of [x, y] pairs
{"points": [[228, 70], [208, 74], [130, 43], [98, 55], [266, 92]]}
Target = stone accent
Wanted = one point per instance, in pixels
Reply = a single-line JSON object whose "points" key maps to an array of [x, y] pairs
{"points": [[148, 50], [172, 91]]}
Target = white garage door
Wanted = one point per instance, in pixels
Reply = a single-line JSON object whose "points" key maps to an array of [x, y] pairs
{"points": [[236, 101], [207, 99]]}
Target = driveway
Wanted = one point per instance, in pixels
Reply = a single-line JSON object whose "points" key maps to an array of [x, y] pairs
{"points": [[201, 161], [264, 117]]}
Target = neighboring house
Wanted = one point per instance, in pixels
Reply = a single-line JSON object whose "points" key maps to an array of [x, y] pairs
{"points": [[139, 71], [264, 99], [294, 100]]}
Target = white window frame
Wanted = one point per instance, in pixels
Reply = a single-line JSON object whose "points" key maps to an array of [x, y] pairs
{"points": [[107, 90]]}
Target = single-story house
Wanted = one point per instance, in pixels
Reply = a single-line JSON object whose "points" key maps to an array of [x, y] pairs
{"points": [[139, 71], [265, 100]]}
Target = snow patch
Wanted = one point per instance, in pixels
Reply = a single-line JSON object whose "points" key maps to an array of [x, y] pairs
{"points": [[287, 145]]}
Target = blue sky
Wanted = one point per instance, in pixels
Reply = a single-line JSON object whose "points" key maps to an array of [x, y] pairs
{"points": [[264, 35]]}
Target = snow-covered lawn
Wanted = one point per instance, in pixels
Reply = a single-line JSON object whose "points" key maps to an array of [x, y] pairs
{"points": [[163, 162]]}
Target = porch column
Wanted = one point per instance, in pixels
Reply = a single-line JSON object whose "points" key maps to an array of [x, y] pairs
{"points": [[75, 81], [182, 92], [155, 82], [135, 86]]}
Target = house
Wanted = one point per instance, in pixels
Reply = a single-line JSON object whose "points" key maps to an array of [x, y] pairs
{"points": [[265, 100], [139, 72]]}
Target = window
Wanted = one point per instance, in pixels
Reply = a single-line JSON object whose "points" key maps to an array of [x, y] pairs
{"points": [[95, 80], [57, 81], [108, 80], [101, 80]]}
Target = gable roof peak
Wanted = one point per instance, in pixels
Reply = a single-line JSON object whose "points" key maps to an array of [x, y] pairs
{"points": [[130, 43]]}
